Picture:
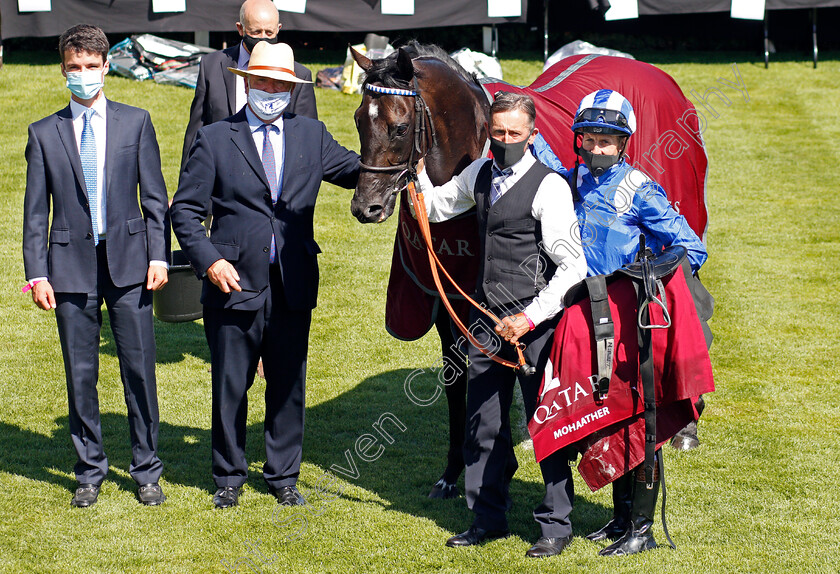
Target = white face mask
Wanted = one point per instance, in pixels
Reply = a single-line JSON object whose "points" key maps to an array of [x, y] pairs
{"points": [[85, 85], [268, 106]]}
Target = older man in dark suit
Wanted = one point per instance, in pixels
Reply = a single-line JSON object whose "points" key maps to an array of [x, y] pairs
{"points": [[85, 163], [220, 94], [258, 174]]}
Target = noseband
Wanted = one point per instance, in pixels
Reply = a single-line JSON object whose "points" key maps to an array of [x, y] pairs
{"points": [[424, 139]]}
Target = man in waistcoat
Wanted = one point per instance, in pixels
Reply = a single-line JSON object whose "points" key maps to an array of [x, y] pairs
{"points": [[530, 256]]}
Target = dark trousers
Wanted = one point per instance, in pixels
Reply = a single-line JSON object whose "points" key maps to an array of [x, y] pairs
{"points": [[488, 449], [237, 340], [79, 319]]}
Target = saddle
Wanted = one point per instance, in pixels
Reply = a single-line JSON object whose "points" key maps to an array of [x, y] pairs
{"points": [[646, 273]]}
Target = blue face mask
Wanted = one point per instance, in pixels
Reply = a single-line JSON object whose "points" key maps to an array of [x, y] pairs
{"points": [[85, 85], [266, 105]]}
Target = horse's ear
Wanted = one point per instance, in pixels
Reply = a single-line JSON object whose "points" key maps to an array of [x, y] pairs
{"points": [[405, 65], [363, 61]]}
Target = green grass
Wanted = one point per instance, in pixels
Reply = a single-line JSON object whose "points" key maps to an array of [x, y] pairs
{"points": [[759, 495]]}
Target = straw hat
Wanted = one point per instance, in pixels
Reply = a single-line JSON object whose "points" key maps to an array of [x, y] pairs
{"points": [[275, 61]]}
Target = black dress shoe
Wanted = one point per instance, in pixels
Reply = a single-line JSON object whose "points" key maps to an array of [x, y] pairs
{"points": [[546, 547], [151, 494], [475, 535], [226, 496], [85, 496], [288, 496]]}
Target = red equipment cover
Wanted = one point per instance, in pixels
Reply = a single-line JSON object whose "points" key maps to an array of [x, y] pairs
{"points": [[668, 143], [567, 412], [413, 300]]}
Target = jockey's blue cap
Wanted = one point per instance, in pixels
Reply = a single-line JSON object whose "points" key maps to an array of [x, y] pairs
{"points": [[605, 112]]}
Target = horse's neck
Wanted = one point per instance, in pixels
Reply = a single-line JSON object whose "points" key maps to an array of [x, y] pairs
{"points": [[460, 121]]}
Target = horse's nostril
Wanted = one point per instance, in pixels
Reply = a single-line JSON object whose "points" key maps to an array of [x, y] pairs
{"points": [[374, 210]]}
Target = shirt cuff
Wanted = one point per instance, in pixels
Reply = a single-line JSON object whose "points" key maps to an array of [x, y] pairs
{"points": [[157, 263]]}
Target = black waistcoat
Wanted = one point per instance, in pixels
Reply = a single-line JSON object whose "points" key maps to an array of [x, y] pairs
{"points": [[513, 265]]}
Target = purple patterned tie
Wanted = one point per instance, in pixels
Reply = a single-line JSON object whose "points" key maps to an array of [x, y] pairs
{"points": [[498, 177], [271, 175]]}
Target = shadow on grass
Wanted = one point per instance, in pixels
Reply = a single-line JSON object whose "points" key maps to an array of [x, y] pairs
{"points": [[403, 473], [185, 452], [398, 479]]}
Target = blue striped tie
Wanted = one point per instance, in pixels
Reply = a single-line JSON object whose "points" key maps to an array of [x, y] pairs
{"points": [[87, 153], [271, 175]]}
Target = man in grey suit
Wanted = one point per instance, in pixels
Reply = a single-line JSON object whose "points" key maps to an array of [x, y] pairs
{"points": [[85, 163], [220, 94], [258, 174]]}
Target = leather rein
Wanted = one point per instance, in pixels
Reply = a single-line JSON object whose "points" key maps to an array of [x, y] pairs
{"points": [[424, 140]]}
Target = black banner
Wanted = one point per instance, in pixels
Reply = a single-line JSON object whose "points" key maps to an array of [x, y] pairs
{"points": [[130, 16]]}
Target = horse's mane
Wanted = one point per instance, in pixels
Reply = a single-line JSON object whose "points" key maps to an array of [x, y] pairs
{"points": [[385, 72]]}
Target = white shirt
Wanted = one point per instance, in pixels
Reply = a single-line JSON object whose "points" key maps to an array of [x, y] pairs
{"points": [[552, 207], [241, 97], [276, 139], [97, 124]]}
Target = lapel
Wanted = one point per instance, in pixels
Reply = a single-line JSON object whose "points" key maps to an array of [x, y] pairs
{"points": [[112, 129], [229, 77], [244, 141], [291, 150], [68, 137]]}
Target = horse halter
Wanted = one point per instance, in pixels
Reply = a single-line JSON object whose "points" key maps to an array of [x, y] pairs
{"points": [[424, 139]]}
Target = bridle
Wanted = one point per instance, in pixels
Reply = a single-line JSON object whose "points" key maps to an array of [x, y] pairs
{"points": [[424, 139]]}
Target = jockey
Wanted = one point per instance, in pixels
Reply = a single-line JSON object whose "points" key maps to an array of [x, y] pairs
{"points": [[615, 204]]}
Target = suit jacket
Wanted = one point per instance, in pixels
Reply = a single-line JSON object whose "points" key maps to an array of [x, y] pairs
{"points": [[55, 182], [224, 172], [215, 94]]}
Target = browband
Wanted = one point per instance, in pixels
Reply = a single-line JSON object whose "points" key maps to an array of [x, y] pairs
{"points": [[390, 91]]}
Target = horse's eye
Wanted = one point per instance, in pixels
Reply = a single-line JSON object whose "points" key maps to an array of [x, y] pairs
{"points": [[400, 129]]}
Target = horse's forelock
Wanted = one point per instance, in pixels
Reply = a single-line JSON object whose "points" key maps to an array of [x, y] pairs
{"points": [[385, 72]]}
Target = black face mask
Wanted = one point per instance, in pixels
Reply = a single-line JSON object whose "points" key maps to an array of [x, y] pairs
{"points": [[598, 164], [507, 154], [250, 42]]}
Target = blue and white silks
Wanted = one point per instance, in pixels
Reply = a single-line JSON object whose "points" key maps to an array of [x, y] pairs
{"points": [[616, 208]]}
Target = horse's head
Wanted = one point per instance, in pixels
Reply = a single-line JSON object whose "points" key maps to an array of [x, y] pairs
{"points": [[413, 107], [386, 131]]}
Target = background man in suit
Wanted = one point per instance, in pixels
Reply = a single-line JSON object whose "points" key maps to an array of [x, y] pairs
{"points": [[220, 94], [85, 162], [528, 233], [258, 174]]}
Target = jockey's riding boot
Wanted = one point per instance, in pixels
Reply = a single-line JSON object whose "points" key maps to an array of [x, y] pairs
{"points": [[622, 495], [639, 537], [687, 438]]}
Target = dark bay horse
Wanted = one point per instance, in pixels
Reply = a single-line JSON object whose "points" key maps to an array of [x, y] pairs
{"points": [[419, 102], [392, 141]]}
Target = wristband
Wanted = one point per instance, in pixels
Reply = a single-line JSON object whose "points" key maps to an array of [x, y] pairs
{"points": [[28, 286], [530, 323]]}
